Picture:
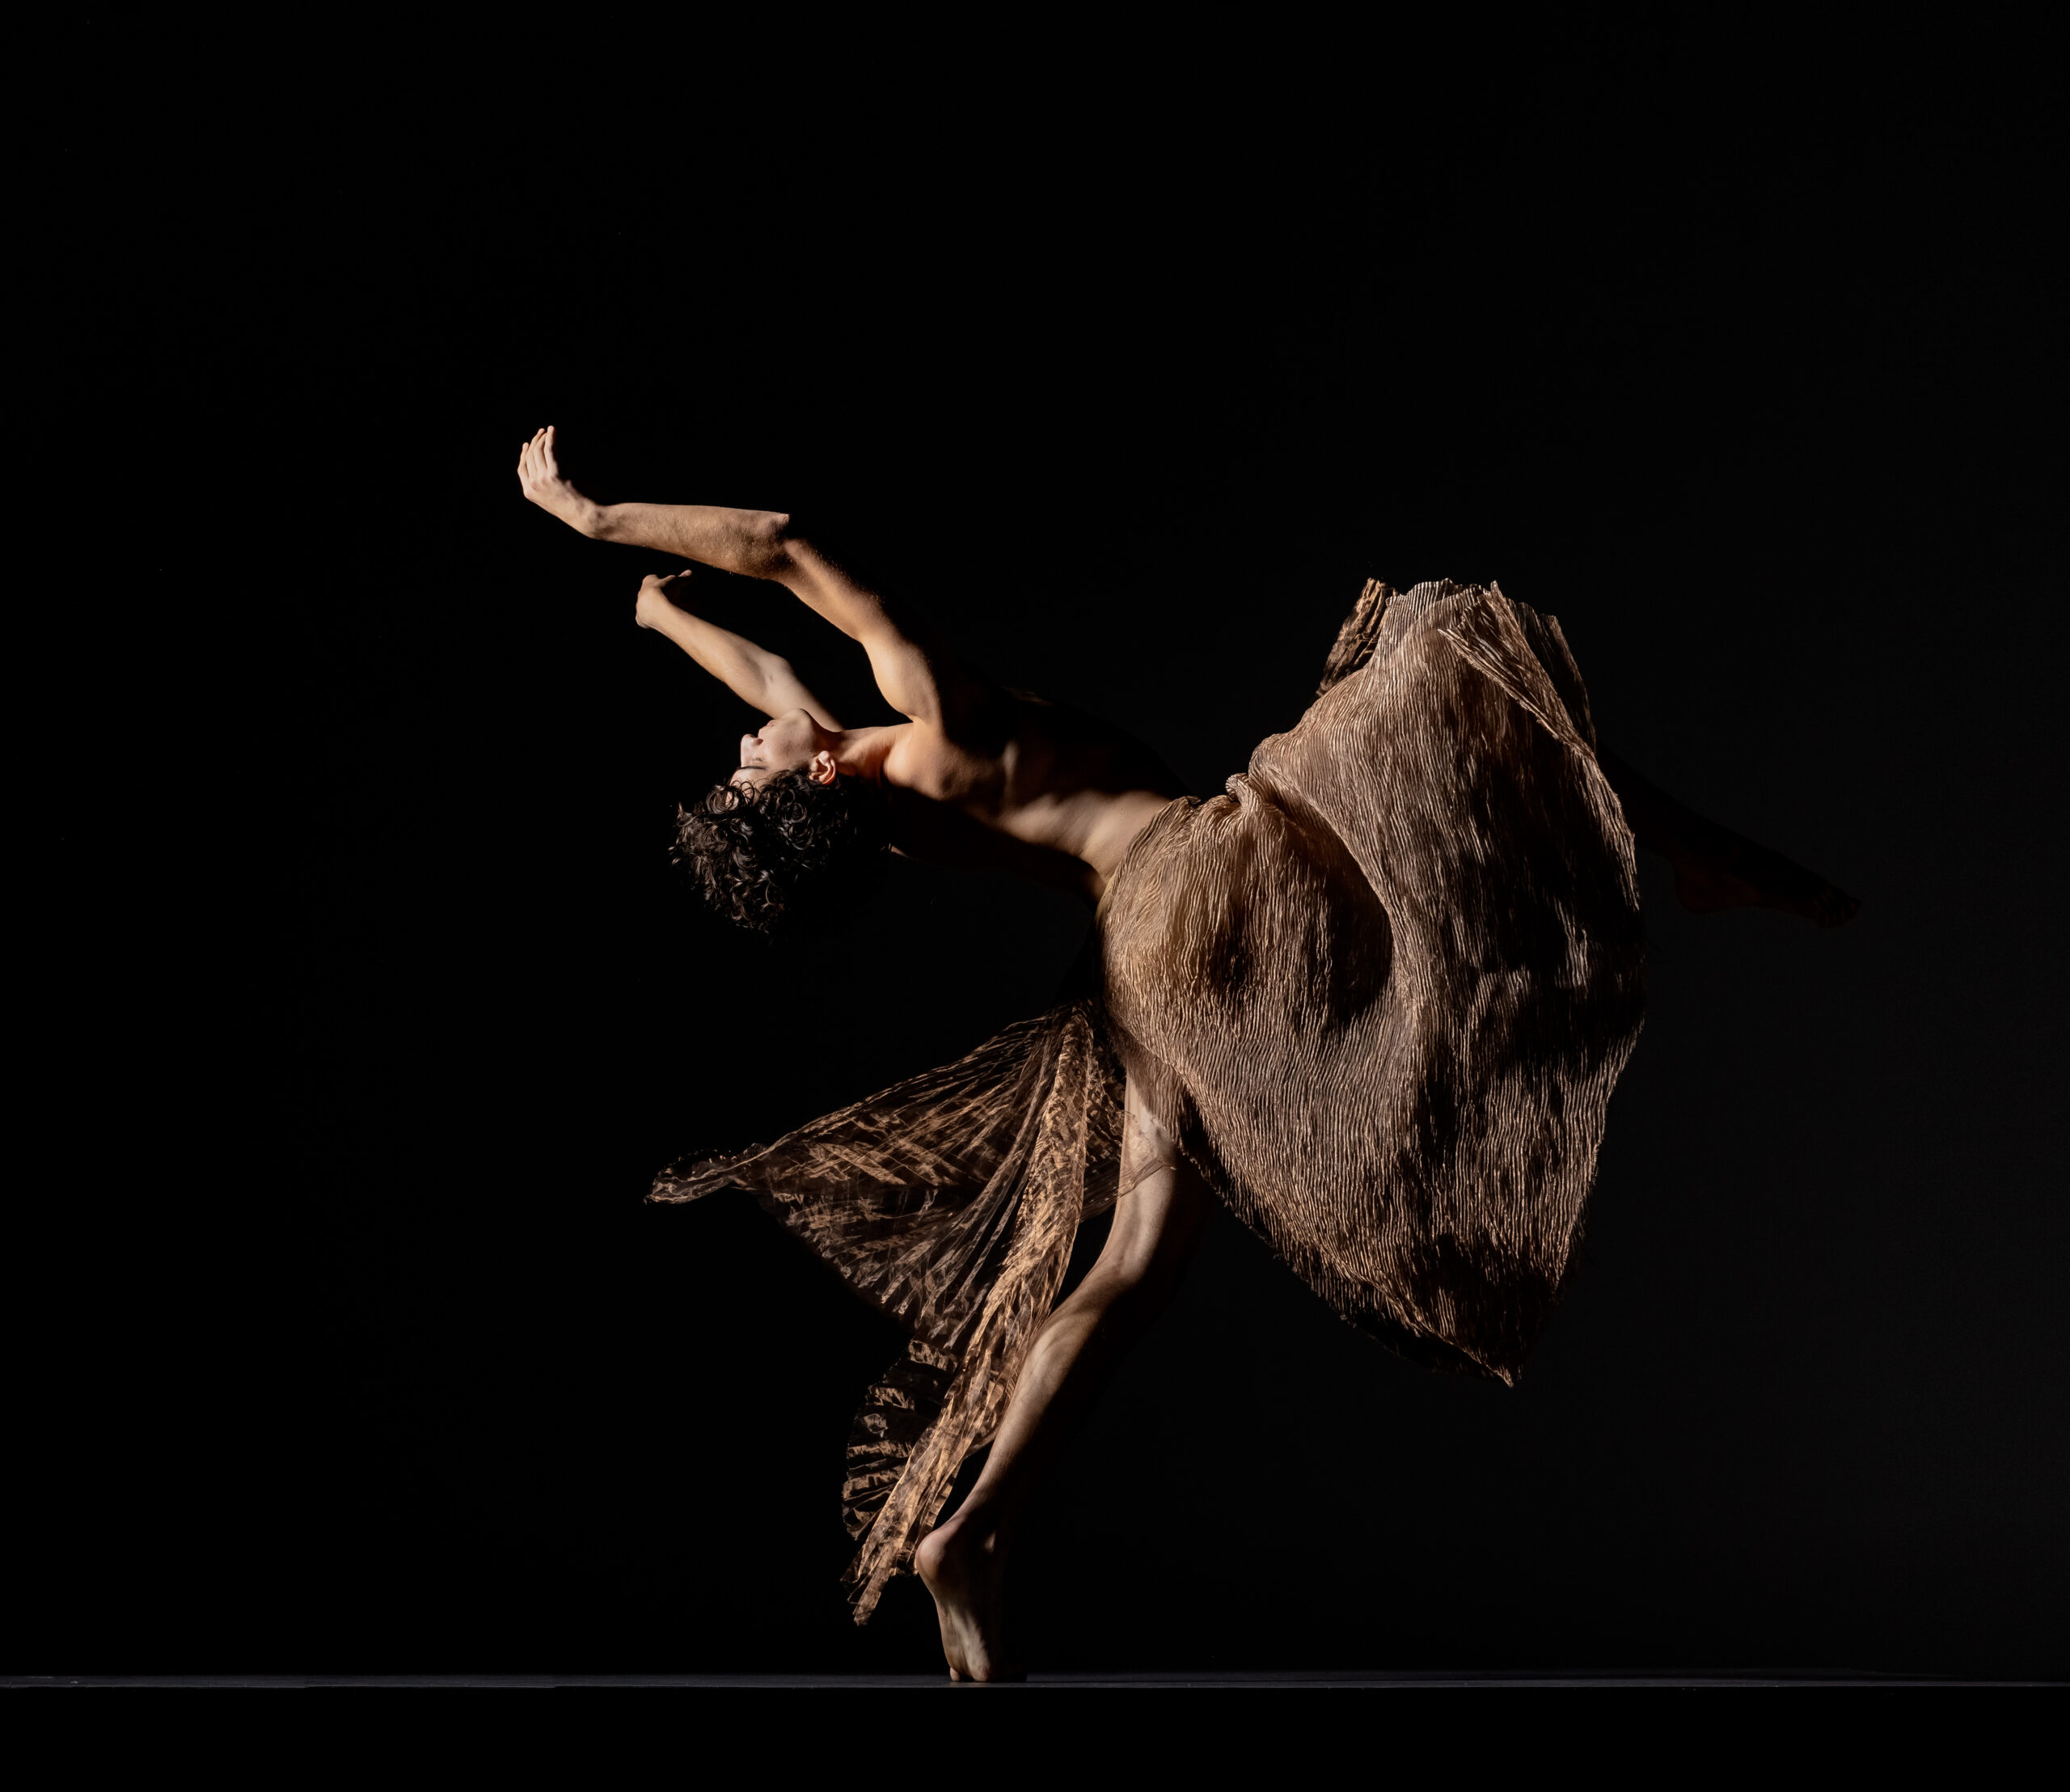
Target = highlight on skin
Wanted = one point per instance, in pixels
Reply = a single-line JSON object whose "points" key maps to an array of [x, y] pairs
{"points": [[1424, 906]]}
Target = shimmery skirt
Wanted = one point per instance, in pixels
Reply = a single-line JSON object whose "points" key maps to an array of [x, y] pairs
{"points": [[1380, 989]]}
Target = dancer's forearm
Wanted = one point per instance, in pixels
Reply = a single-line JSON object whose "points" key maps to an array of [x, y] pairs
{"points": [[748, 671], [760, 544], [761, 679], [750, 542]]}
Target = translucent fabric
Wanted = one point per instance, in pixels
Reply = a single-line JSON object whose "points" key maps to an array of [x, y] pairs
{"points": [[1379, 991]]}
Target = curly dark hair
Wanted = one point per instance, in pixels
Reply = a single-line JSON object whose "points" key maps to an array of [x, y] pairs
{"points": [[789, 855]]}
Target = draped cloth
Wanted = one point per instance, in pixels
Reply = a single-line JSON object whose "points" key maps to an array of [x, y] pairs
{"points": [[1378, 991]]}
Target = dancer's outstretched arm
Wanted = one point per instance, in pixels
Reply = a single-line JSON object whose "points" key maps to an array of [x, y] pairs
{"points": [[761, 679], [918, 679]]}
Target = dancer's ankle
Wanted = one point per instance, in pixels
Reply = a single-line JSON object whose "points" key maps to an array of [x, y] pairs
{"points": [[975, 1530]]}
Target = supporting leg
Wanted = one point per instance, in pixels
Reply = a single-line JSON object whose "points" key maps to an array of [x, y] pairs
{"points": [[1156, 1226], [1714, 868]]}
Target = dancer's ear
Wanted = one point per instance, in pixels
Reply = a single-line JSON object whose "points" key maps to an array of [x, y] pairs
{"points": [[822, 769]]}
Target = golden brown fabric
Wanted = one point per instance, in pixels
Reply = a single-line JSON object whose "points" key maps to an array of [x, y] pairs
{"points": [[1381, 991], [950, 1202]]}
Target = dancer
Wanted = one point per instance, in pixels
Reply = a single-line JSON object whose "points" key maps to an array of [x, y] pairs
{"points": [[1374, 998]]}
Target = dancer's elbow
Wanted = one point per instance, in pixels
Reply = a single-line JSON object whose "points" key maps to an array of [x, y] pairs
{"points": [[772, 545]]}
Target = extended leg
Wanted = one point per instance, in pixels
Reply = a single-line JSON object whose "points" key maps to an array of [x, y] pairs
{"points": [[1156, 1226], [1714, 868]]}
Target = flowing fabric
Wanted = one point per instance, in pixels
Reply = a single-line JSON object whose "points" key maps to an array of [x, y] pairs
{"points": [[1379, 991]]}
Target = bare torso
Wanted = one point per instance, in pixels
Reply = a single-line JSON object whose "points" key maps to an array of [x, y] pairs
{"points": [[978, 776], [989, 778], [1035, 788]]}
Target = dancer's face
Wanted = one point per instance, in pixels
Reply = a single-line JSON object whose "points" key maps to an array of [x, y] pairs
{"points": [[784, 743]]}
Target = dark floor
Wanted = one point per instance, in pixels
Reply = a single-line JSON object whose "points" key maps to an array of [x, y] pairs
{"points": [[850, 1682]]}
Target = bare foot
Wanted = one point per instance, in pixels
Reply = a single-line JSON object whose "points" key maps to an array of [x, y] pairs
{"points": [[539, 478], [1746, 876], [966, 1573]]}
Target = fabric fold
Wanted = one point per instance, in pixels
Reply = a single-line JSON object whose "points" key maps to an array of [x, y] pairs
{"points": [[949, 1201], [1380, 989]]}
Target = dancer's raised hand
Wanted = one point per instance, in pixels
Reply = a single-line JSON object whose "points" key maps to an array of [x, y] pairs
{"points": [[539, 477], [657, 592]]}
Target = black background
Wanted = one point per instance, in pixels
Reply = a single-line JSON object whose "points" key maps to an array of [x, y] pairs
{"points": [[364, 1005]]}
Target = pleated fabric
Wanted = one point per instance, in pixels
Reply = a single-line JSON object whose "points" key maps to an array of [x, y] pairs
{"points": [[950, 1203], [1380, 989]]}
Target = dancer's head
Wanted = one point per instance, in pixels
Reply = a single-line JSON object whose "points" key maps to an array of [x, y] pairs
{"points": [[790, 841]]}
